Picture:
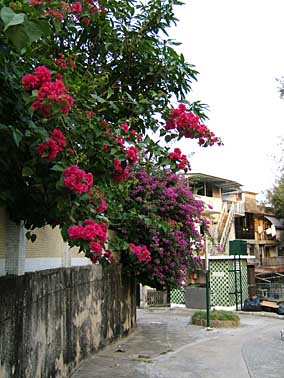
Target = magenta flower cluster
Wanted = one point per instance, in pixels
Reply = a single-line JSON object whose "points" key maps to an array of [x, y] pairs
{"points": [[169, 228]]}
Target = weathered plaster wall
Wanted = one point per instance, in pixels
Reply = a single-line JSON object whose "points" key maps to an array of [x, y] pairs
{"points": [[51, 320]]}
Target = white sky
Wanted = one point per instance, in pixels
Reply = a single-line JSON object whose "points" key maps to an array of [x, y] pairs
{"points": [[238, 48]]}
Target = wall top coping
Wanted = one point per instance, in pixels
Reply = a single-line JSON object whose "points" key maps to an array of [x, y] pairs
{"points": [[228, 257]]}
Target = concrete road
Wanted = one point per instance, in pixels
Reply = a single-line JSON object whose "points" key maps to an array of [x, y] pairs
{"points": [[166, 345]]}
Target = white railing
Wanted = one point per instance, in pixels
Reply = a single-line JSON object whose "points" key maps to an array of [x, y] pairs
{"points": [[239, 207]]}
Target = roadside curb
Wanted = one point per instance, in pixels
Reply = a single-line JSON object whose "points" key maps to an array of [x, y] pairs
{"points": [[262, 314]]}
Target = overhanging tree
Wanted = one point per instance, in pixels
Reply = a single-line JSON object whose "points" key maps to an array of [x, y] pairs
{"points": [[81, 86]]}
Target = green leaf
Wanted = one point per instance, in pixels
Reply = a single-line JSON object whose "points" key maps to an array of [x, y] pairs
{"points": [[27, 171], [148, 221], [98, 98], [57, 25], [7, 15], [168, 138], [84, 197], [33, 31], [109, 92], [60, 183], [44, 26], [57, 168], [3, 127], [163, 161], [18, 36], [33, 238], [114, 107], [10, 18], [18, 136]]}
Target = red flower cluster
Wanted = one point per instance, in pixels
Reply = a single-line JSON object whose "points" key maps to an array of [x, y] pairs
{"points": [[120, 174], [124, 127], [77, 179], [37, 79], [53, 93], [60, 10], [188, 125], [97, 195], [90, 231], [132, 154], [141, 252], [102, 206], [49, 93], [96, 234], [90, 114], [35, 2], [59, 14], [96, 247], [63, 63], [76, 8], [135, 135], [180, 158], [48, 150]]}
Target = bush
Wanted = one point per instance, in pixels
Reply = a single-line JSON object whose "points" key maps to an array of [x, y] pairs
{"points": [[216, 315]]}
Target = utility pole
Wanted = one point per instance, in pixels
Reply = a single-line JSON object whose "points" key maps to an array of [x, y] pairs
{"points": [[207, 276]]}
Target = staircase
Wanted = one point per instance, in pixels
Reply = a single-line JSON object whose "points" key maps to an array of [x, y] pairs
{"points": [[224, 224]]}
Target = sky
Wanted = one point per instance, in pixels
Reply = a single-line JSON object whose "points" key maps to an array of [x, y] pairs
{"points": [[237, 46]]}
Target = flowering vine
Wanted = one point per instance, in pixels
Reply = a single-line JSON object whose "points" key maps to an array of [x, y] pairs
{"points": [[188, 125], [80, 105]]}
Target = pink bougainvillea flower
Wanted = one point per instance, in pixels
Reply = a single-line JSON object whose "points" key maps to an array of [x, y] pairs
{"points": [[96, 247], [120, 173], [30, 82], [188, 125], [48, 150], [76, 8], [86, 21], [124, 127], [74, 232], [49, 93], [53, 93], [77, 179], [90, 231], [102, 206], [132, 154], [59, 138], [35, 2], [181, 159], [61, 62], [141, 252]]}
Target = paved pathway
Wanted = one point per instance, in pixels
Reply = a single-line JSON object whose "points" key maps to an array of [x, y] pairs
{"points": [[166, 345]]}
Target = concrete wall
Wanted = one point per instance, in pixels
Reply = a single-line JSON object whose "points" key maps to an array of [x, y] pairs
{"points": [[51, 320], [195, 297], [49, 251]]}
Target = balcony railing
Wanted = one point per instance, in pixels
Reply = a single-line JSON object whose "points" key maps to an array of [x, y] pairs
{"points": [[271, 261]]}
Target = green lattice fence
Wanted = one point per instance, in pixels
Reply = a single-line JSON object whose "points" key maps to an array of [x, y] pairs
{"points": [[177, 296], [222, 282]]}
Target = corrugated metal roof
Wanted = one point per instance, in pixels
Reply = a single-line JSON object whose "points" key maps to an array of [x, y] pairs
{"points": [[225, 184], [278, 223]]}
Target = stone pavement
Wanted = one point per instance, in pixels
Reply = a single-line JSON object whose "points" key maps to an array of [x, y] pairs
{"points": [[165, 345]]}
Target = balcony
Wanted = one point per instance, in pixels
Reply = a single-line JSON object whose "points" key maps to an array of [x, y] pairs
{"points": [[214, 204], [277, 261]]}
